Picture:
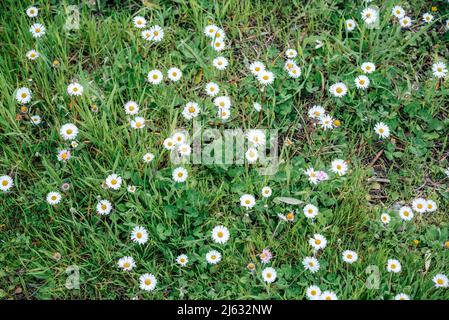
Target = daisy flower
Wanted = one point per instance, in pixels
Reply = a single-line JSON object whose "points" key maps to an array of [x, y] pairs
{"points": [[427, 17], [139, 234], [213, 257], [291, 53], [148, 157], [147, 282], [349, 256], [32, 12], [222, 102], [310, 211], [338, 89], [179, 174], [6, 183], [382, 130], [155, 77], [394, 265], [139, 22], [23, 95], [218, 44], [63, 155], [210, 30], [265, 256], [37, 30], [248, 201], [406, 213], [131, 189], [184, 150], [182, 260], [326, 122], [169, 144], [311, 264], [318, 242], [370, 15], [405, 22], [146, 35], [316, 112], [362, 82], [398, 12], [295, 72], [256, 137], [179, 138], [53, 198], [402, 296], [256, 68], [339, 167], [126, 263], [269, 275], [441, 281], [74, 144], [419, 205], [75, 89], [313, 292], [289, 65], [212, 89], [431, 206], [328, 295], [266, 192], [137, 123], [131, 108], [36, 120], [157, 33], [224, 113], [439, 70], [257, 106], [113, 181], [191, 110], [104, 207], [220, 63], [385, 218], [368, 67], [350, 24], [251, 155], [174, 74], [32, 55], [265, 77], [312, 175], [68, 131], [220, 234]]}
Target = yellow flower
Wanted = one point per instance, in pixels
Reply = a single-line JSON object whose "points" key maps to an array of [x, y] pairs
{"points": [[415, 242], [446, 244], [434, 9], [337, 123]]}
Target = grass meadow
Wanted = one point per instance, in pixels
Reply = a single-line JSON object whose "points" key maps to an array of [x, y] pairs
{"points": [[69, 247]]}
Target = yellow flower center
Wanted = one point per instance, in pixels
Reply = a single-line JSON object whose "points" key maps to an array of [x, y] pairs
{"points": [[247, 201], [147, 282], [37, 30], [24, 95], [419, 206], [103, 207], [69, 131], [155, 76], [440, 281], [265, 77], [220, 234], [53, 198], [4, 183], [268, 275], [139, 235], [339, 90], [317, 241], [191, 109], [126, 265]]}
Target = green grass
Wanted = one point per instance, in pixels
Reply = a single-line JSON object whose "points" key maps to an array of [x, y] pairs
{"points": [[108, 56]]}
